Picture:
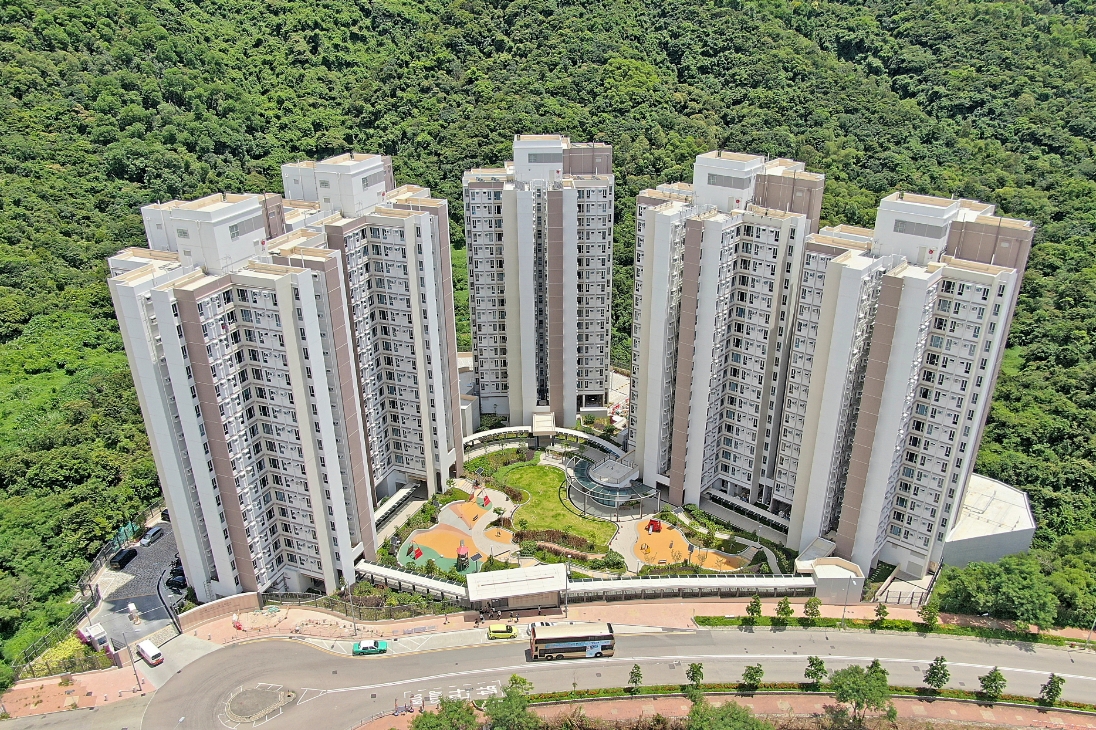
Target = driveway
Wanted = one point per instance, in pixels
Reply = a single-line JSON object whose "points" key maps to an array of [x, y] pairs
{"points": [[137, 584]]}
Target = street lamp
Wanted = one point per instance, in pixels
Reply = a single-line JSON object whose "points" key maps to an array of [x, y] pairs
{"points": [[132, 661], [1090, 632], [848, 587]]}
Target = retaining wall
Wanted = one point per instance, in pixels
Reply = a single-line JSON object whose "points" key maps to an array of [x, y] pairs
{"points": [[216, 609]]}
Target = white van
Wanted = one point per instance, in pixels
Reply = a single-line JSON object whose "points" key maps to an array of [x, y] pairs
{"points": [[150, 653]]}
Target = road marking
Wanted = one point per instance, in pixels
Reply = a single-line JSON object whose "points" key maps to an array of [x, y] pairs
{"points": [[537, 666]]}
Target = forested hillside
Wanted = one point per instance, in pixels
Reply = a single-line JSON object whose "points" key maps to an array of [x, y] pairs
{"points": [[109, 104]]}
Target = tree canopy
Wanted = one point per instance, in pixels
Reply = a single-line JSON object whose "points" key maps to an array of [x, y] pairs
{"points": [[106, 105]]}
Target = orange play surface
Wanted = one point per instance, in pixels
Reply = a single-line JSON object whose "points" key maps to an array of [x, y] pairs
{"points": [[670, 546], [498, 534], [469, 512], [444, 539]]}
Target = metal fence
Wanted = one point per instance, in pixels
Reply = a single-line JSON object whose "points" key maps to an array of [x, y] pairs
{"points": [[904, 598], [71, 665], [63, 630], [124, 534], [339, 604]]}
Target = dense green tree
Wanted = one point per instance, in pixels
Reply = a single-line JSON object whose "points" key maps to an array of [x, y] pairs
{"points": [[450, 715], [863, 690], [815, 671], [511, 710], [1051, 692], [752, 675], [812, 609]]}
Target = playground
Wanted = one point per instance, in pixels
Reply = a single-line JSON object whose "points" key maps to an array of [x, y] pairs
{"points": [[658, 543], [463, 538]]}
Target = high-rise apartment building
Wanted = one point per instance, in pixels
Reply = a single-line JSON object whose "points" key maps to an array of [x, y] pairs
{"points": [[539, 232], [831, 384], [292, 363]]}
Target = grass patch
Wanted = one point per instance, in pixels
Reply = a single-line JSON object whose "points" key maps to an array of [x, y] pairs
{"points": [[886, 625], [495, 463], [545, 508]]}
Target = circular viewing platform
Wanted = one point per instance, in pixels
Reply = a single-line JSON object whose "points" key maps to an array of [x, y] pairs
{"points": [[609, 483]]}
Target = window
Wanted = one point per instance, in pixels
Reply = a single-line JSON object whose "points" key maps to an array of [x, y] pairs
{"points": [[234, 231], [182, 233], [325, 184]]}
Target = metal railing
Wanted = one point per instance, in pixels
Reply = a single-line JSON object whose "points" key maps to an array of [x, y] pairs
{"points": [[904, 598], [63, 630]]}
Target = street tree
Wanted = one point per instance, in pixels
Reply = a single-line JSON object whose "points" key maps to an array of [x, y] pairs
{"points": [[635, 679], [728, 716], [752, 675], [753, 608], [784, 610], [451, 715], [695, 674], [1051, 692], [812, 609], [815, 671], [881, 613], [993, 685], [930, 616], [937, 675], [511, 710], [862, 690]]}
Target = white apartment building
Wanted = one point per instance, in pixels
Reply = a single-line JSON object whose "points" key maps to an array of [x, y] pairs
{"points": [[293, 364], [539, 232], [831, 384], [256, 436]]}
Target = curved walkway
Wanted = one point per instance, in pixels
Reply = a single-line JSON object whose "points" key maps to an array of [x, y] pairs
{"points": [[774, 566]]}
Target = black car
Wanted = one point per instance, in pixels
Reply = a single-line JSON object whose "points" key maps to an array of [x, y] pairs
{"points": [[121, 558], [176, 583], [165, 516], [177, 570]]}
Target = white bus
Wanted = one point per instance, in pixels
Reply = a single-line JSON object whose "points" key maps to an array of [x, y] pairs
{"points": [[571, 641]]}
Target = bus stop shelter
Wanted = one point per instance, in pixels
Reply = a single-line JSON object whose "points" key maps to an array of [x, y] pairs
{"points": [[539, 586]]}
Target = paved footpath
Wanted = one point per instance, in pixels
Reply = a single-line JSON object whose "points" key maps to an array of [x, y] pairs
{"points": [[777, 706]]}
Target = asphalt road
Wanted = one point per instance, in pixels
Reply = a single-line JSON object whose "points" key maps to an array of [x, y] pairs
{"points": [[335, 692]]}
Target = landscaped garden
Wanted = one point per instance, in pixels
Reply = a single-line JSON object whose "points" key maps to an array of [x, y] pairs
{"points": [[545, 507]]}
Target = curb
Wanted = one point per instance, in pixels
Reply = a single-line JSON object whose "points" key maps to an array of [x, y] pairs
{"points": [[887, 632], [781, 693]]}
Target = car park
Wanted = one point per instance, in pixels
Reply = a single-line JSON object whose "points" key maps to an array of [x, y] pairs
{"points": [[367, 648], [121, 558]]}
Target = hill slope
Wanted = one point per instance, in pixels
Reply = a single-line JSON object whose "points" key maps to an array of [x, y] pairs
{"points": [[109, 104]]}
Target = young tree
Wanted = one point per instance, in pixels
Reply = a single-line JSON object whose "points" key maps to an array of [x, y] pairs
{"points": [[511, 710], [752, 675], [695, 674], [635, 679], [451, 715], [815, 671], [784, 610], [753, 608], [993, 685], [862, 689], [881, 613], [930, 616], [937, 675], [1051, 692], [812, 609]]}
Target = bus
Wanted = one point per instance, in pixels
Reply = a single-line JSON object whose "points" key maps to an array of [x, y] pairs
{"points": [[571, 641]]}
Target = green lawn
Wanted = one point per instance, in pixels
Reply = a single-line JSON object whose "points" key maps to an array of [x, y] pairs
{"points": [[546, 511]]}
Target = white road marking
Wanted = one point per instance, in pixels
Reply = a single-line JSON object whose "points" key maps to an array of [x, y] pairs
{"points": [[536, 666]]}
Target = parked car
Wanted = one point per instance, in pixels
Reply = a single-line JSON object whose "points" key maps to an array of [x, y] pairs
{"points": [[122, 558], [365, 648], [165, 516], [502, 631], [177, 570], [152, 536], [148, 651], [176, 583]]}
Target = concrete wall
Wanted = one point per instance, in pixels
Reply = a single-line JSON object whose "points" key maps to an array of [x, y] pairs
{"points": [[986, 548], [225, 607]]}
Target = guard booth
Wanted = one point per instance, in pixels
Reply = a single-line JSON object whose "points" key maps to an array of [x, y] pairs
{"points": [[541, 586]]}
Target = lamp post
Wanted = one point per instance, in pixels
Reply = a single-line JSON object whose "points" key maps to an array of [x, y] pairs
{"points": [[132, 661], [848, 587], [1089, 638]]}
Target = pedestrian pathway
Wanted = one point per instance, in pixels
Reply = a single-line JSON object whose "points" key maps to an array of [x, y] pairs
{"points": [[774, 566]]}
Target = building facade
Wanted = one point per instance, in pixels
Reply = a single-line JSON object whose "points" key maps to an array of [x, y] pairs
{"points": [[539, 233], [293, 364], [830, 384]]}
